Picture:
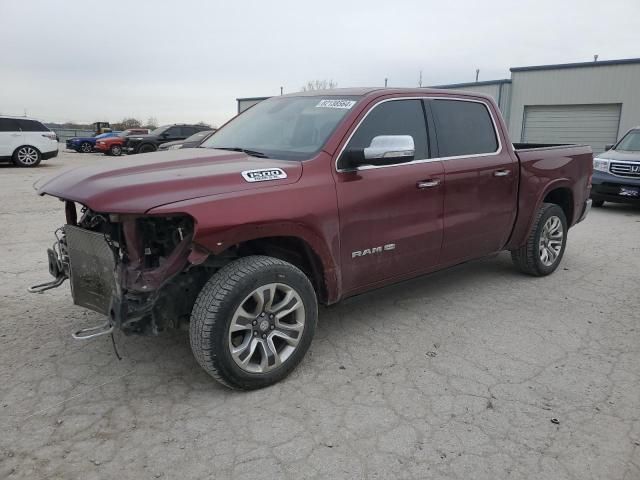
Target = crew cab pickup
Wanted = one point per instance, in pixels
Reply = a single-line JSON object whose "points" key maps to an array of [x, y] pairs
{"points": [[304, 199]]}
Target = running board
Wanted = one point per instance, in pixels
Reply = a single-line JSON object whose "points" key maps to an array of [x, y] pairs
{"points": [[41, 287], [87, 333]]}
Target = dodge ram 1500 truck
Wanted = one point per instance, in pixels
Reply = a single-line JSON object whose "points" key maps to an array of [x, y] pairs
{"points": [[304, 199]]}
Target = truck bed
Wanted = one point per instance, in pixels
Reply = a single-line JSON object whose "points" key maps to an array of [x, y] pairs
{"points": [[543, 168]]}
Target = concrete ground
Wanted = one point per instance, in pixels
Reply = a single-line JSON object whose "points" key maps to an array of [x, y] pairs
{"points": [[477, 372]]}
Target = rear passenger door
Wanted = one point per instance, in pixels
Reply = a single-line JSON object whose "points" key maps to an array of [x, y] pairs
{"points": [[391, 215], [481, 179], [10, 136]]}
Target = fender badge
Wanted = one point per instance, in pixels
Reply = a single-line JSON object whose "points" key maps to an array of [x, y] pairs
{"points": [[264, 174]]}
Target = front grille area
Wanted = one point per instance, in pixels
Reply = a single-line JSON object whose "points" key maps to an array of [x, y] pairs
{"points": [[629, 170]]}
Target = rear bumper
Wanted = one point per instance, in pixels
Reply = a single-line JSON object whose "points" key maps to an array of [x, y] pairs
{"points": [[48, 155]]}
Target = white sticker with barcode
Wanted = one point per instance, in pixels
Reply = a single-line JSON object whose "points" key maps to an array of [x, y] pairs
{"points": [[347, 104]]}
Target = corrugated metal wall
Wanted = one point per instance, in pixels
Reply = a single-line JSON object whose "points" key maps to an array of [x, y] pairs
{"points": [[606, 84]]}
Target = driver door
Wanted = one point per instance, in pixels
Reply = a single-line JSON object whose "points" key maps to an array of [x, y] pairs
{"points": [[391, 215]]}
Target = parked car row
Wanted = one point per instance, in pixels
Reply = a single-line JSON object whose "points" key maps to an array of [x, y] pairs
{"points": [[140, 140]]}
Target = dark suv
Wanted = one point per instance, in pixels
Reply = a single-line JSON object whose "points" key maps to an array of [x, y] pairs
{"points": [[164, 134]]}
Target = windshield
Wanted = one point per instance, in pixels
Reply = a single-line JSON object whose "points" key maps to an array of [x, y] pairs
{"points": [[630, 142], [105, 135], [288, 128], [158, 130]]}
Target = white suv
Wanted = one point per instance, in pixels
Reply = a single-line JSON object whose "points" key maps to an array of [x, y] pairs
{"points": [[26, 142]]}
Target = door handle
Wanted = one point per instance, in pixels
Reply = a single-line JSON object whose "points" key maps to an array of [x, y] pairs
{"points": [[428, 183], [502, 173]]}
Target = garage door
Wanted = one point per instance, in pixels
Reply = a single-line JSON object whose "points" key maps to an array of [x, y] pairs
{"points": [[594, 125]]}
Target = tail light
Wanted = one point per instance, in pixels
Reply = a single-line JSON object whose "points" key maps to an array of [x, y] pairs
{"points": [[50, 136]]}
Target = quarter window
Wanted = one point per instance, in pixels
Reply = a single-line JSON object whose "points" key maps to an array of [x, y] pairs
{"points": [[397, 117], [463, 128]]}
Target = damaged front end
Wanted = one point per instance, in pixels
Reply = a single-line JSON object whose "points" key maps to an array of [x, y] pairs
{"points": [[140, 271]]}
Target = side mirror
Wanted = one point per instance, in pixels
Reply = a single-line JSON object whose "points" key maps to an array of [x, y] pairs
{"points": [[384, 150], [164, 134], [609, 146]]}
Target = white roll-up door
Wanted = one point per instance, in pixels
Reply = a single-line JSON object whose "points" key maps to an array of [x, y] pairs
{"points": [[595, 125]]}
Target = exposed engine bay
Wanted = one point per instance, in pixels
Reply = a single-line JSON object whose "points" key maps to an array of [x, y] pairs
{"points": [[131, 268]]}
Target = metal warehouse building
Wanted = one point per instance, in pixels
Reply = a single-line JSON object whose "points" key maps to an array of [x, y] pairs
{"points": [[593, 102]]}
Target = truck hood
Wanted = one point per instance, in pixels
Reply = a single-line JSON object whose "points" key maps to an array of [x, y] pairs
{"points": [[139, 183], [620, 155]]}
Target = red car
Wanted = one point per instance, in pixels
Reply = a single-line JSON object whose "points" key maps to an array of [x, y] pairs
{"points": [[304, 199], [113, 145]]}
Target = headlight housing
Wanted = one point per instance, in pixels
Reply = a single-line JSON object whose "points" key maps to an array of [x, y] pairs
{"points": [[175, 147], [601, 164]]}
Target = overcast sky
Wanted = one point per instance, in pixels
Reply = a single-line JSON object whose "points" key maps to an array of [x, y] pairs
{"points": [[188, 60]]}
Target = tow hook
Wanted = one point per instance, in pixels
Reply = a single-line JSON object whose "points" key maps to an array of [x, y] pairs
{"points": [[41, 287], [92, 332]]}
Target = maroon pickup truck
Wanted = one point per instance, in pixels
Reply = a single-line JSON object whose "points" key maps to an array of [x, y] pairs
{"points": [[304, 199]]}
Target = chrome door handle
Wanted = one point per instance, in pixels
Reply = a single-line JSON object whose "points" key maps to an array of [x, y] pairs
{"points": [[428, 183], [502, 173]]}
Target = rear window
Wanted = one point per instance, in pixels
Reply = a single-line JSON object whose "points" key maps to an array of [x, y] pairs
{"points": [[463, 128], [9, 125], [31, 126]]}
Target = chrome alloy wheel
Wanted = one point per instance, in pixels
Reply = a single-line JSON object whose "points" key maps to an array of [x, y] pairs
{"points": [[85, 147], [27, 155], [266, 328], [551, 239]]}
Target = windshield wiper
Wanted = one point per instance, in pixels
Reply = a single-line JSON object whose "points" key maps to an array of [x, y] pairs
{"points": [[253, 153]]}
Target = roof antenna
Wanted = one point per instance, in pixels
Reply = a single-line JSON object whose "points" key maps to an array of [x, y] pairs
{"points": [[281, 89], [595, 58], [477, 74], [420, 81], [385, 82]]}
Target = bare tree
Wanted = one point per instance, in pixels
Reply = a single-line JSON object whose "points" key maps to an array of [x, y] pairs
{"points": [[319, 85], [127, 123], [152, 123]]}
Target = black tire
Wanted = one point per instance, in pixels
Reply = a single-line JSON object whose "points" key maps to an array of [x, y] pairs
{"points": [[222, 296], [26, 156], [528, 257], [147, 148], [597, 203], [86, 147], [115, 150]]}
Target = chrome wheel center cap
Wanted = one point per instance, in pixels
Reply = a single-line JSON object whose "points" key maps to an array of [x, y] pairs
{"points": [[264, 325]]}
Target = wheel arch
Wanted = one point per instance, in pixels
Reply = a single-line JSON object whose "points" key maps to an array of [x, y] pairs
{"points": [[563, 197], [300, 248], [15, 151]]}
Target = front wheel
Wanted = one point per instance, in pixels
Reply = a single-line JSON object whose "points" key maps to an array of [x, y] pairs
{"points": [[146, 148], [115, 150], [546, 243], [253, 322]]}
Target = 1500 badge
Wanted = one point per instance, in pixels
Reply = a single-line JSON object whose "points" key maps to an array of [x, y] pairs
{"points": [[264, 174], [371, 251]]}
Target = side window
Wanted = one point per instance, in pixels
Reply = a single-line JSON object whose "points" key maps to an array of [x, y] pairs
{"points": [[463, 128], [31, 126], [174, 132], [188, 131], [9, 125], [396, 117]]}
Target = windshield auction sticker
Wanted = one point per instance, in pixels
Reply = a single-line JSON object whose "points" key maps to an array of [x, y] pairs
{"points": [[347, 104]]}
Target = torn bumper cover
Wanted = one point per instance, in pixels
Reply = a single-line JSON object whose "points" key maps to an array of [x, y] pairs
{"points": [[118, 273]]}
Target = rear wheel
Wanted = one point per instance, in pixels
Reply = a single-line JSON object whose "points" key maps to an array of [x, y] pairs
{"points": [[115, 150], [85, 147], [253, 322], [546, 243], [27, 156], [146, 148]]}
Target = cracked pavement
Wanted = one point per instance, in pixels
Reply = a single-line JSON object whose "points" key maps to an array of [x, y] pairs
{"points": [[475, 372]]}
